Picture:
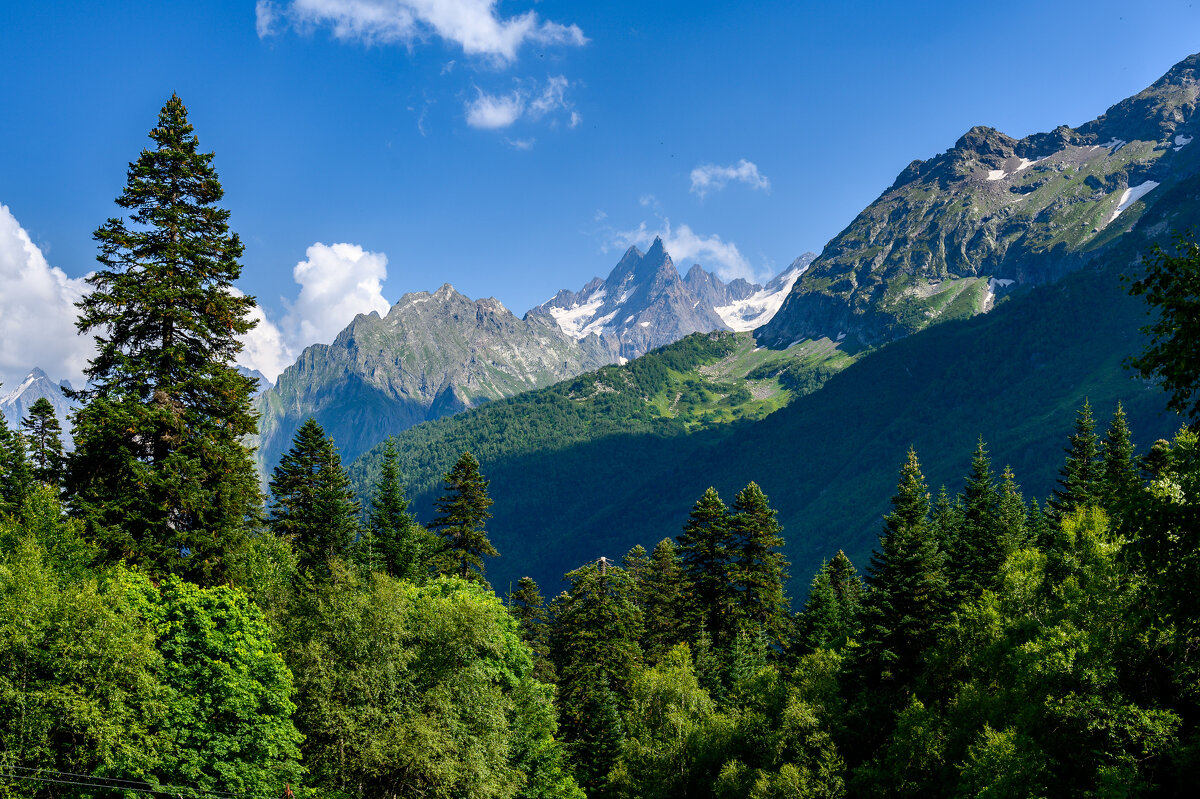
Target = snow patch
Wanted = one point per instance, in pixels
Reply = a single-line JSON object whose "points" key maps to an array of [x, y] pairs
{"points": [[997, 174], [1113, 145], [597, 325], [840, 336], [642, 324], [1132, 195], [1181, 141], [622, 360], [757, 309], [628, 319], [574, 320]]}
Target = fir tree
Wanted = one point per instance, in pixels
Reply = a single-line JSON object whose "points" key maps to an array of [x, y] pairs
{"points": [[1079, 477], [635, 563], [393, 541], [903, 609], [159, 472], [946, 519], [1039, 526], [594, 642], [705, 549], [463, 511], [16, 477], [1012, 518], [974, 557], [43, 434], [759, 568], [1119, 478], [833, 608], [665, 597], [312, 505], [528, 607]]}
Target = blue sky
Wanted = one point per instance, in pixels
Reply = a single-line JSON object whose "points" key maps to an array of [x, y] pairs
{"points": [[514, 148]]}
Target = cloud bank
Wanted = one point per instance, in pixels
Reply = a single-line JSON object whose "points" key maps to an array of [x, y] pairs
{"points": [[710, 177], [37, 311], [473, 25]]}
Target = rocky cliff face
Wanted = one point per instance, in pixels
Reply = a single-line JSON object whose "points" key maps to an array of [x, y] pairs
{"points": [[994, 213], [432, 355]]}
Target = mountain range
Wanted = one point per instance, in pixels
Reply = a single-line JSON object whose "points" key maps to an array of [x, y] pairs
{"points": [[15, 403], [994, 214]]}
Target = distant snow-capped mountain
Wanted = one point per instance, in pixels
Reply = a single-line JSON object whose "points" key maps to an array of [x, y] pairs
{"points": [[644, 303], [15, 404]]}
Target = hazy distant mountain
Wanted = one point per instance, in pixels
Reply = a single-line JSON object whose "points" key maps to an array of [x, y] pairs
{"points": [[16, 402], [995, 213], [644, 303], [262, 380], [432, 355]]}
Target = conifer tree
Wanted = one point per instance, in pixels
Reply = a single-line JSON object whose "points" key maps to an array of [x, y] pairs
{"points": [[1012, 518], [312, 505], [665, 595], [974, 557], [159, 473], [705, 549], [946, 519], [1079, 477], [832, 611], [529, 608], [1039, 526], [905, 604], [1119, 477], [43, 435], [758, 568], [595, 648], [463, 511], [635, 563], [16, 477], [393, 541]]}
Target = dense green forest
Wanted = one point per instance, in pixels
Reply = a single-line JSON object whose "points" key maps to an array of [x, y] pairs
{"points": [[167, 631]]}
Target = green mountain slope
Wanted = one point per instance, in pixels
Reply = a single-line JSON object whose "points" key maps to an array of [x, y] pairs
{"points": [[622, 474], [992, 213], [432, 355]]}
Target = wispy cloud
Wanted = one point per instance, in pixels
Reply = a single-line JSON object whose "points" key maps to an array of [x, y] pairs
{"points": [[711, 177], [473, 25], [528, 101], [37, 311], [685, 246]]}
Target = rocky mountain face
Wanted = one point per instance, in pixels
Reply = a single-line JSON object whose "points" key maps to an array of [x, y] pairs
{"points": [[993, 214], [432, 355], [645, 304], [15, 404]]}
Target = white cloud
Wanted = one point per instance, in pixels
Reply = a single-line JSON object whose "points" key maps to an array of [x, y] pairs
{"points": [[471, 24], [522, 144], [710, 177], [37, 311], [493, 112], [685, 247], [490, 112], [337, 282]]}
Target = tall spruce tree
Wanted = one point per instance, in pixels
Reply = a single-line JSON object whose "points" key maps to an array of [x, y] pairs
{"points": [[1119, 477], [463, 511], [529, 608], [902, 611], [594, 643], [393, 541], [1079, 478], [16, 476], [974, 557], [666, 599], [706, 551], [43, 435], [159, 473], [312, 505], [1013, 520], [759, 569], [832, 611]]}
